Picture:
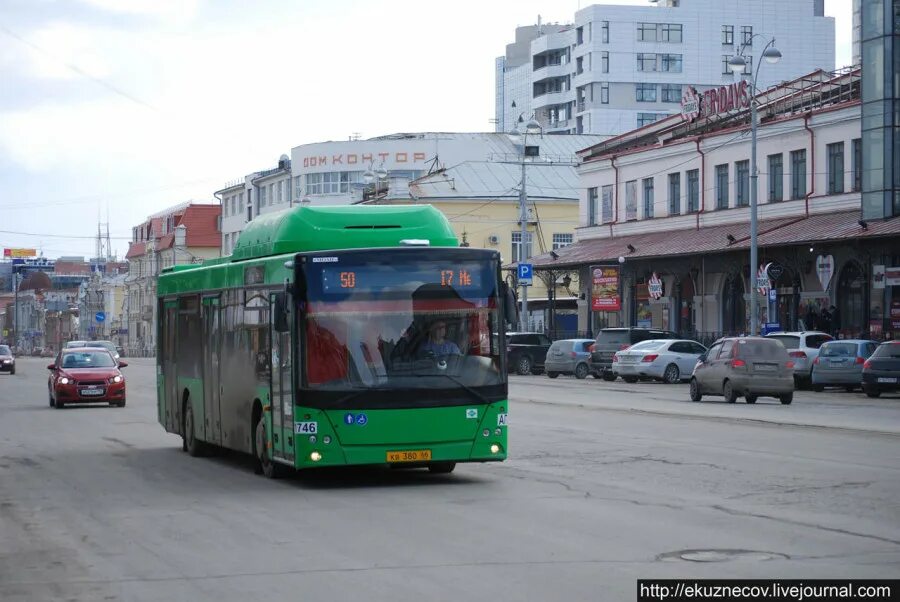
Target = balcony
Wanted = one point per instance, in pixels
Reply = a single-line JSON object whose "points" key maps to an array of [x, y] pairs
{"points": [[552, 98], [553, 41], [551, 71]]}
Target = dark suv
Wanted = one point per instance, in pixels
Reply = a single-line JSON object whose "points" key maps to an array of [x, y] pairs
{"points": [[526, 351], [610, 340]]}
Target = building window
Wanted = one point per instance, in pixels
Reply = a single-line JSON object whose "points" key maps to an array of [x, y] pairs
{"points": [[648, 198], [646, 62], [645, 92], [835, 168], [604, 93], [579, 36], [604, 61], [249, 213], [748, 69], [693, 190], [517, 245], [280, 189], [726, 70], [561, 240], [857, 164], [728, 35], [671, 92], [604, 32], [606, 214], [742, 175], [747, 35], [271, 194], [592, 205], [722, 186], [646, 32], [262, 196], [670, 32], [630, 200], [798, 174], [776, 178], [670, 63], [298, 187], [674, 194], [648, 118]]}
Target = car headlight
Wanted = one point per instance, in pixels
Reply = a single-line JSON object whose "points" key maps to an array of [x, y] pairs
{"points": [[63, 380], [117, 378]]}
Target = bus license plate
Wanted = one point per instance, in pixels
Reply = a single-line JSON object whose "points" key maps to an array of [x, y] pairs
{"points": [[411, 455]]}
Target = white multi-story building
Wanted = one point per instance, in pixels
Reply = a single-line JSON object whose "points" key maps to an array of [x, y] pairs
{"points": [[621, 67], [334, 173]]}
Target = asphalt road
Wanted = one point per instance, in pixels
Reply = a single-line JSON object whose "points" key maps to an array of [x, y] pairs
{"points": [[606, 483]]}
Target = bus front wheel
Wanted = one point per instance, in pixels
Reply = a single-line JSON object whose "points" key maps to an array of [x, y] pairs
{"points": [[441, 467], [190, 443], [265, 465]]}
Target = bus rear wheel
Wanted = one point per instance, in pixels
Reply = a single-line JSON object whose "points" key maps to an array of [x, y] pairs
{"points": [[441, 467]]}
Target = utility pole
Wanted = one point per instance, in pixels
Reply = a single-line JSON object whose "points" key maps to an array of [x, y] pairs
{"points": [[523, 220]]}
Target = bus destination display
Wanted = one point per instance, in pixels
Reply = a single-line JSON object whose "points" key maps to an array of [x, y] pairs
{"points": [[374, 278]]}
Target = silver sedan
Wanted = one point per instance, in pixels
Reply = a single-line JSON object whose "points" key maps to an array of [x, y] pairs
{"points": [[669, 360]]}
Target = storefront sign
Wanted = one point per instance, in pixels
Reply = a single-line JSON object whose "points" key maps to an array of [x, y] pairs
{"points": [[655, 286], [774, 270], [825, 270], [891, 276], [18, 253], [895, 314], [715, 101], [878, 276], [605, 289], [364, 159]]}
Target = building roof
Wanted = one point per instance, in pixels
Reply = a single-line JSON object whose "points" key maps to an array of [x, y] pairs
{"points": [[771, 233], [202, 228], [486, 179]]}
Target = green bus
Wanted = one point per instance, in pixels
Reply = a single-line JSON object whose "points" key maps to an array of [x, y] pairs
{"points": [[336, 336]]}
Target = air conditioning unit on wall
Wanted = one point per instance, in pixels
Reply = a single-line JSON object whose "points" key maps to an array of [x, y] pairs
{"points": [[493, 239]]}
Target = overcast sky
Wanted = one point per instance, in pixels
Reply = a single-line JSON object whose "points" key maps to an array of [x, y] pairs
{"points": [[125, 107]]}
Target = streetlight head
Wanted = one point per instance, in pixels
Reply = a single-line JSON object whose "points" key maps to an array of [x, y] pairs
{"points": [[737, 64], [368, 176], [381, 173], [533, 126], [515, 133], [772, 55]]}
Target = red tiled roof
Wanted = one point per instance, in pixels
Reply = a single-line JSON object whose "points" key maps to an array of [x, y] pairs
{"points": [[202, 222], [136, 249], [771, 233]]}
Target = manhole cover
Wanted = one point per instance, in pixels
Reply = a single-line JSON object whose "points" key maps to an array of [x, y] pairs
{"points": [[720, 555]]}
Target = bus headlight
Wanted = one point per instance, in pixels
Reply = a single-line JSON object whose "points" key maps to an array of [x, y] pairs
{"points": [[495, 449], [497, 431], [326, 439], [486, 433], [315, 456], [312, 439]]}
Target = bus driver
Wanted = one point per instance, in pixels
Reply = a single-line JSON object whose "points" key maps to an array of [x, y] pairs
{"points": [[437, 343]]}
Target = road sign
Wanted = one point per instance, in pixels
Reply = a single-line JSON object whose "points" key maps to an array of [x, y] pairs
{"points": [[100, 316], [773, 294], [525, 273]]}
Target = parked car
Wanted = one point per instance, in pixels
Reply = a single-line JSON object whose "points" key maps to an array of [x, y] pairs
{"points": [[881, 372], [569, 356], [7, 360], [108, 345], [840, 363], [47, 352], [526, 351], [36, 351], [803, 349], [611, 340], [75, 344], [120, 350], [751, 367], [668, 360], [86, 375]]}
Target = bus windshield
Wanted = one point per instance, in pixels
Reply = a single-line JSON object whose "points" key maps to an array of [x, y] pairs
{"points": [[402, 323]]}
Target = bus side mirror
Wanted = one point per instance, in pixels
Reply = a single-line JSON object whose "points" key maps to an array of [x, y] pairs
{"points": [[280, 317], [510, 309]]}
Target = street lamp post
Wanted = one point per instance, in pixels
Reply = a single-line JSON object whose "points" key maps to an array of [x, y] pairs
{"points": [[375, 177], [738, 64], [531, 127]]}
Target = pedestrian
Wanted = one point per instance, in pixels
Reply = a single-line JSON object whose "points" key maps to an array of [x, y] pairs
{"points": [[835, 320], [825, 321]]}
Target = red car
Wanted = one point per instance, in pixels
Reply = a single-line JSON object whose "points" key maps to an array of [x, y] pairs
{"points": [[86, 375]]}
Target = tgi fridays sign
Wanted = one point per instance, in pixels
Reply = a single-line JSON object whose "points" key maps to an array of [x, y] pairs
{"points": [[362, 158], [715, 101]]}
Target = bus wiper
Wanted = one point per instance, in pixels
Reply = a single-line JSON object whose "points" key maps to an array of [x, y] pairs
{"points": [[466, 387], [360, 391]]}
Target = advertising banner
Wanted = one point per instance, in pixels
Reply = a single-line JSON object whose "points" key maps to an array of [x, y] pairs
{"points": [[19, 253], [605, 288]]}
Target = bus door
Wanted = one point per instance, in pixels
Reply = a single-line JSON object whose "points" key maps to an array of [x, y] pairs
{"points": [[170, 363], [212, 385], [282, 396]]}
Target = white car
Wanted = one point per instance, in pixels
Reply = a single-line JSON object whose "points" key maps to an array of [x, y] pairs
{"points": [[803, 349], [669, 360]]}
